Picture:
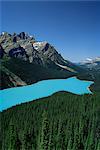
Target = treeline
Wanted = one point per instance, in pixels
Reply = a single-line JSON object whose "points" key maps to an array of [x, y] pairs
{"points": [[63, 121]]}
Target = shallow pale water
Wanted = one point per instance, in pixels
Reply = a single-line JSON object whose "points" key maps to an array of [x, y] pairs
{"points": [[17, 95]]}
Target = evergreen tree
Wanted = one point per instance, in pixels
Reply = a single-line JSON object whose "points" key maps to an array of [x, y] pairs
{"points": [[98, 145], [51, 138], [13, 140], [27, 141], [44, 132], [61, 145], [34, 141]]}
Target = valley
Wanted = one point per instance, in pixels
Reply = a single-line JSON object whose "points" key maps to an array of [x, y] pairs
{"points": [[61, 120]]}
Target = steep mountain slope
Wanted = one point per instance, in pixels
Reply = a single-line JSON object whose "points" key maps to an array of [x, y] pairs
{"points": [[7, 76], [28, 49], [27, 73], [31, 60]]}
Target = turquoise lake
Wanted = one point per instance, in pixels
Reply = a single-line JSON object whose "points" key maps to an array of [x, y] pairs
{"points": [[17, 95]]}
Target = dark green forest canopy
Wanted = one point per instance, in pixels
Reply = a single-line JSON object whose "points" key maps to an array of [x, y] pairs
{"points": [[29, 73], [63, 121]]}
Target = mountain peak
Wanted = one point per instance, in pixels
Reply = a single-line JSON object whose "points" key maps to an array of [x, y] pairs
{"points": [[25, 47]]}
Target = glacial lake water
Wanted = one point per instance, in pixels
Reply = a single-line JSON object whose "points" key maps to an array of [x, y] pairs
{"points": [[17, 95]]}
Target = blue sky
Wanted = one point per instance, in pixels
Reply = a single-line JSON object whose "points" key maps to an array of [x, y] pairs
{"points": [[72, 27]]}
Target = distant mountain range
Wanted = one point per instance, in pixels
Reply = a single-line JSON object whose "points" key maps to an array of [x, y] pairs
{"points": [[92, 72], [91, 63]]}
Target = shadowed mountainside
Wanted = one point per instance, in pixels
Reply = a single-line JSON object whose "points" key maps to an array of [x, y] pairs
{"points": [[30, 61]]}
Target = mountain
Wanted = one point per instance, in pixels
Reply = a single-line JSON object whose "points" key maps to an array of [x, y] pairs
{"points": [[25, 61], [92, 72], [91, 63], [28, 49]]}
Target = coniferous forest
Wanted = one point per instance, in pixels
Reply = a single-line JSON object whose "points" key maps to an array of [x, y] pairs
{"points": [[63, 121]]}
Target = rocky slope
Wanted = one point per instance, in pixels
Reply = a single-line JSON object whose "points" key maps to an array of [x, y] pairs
{"points": [[29, 61], [28, 49], [9, 76]]}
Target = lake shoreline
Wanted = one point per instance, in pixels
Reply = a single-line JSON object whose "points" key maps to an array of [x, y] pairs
{"points": [[41, 89]]}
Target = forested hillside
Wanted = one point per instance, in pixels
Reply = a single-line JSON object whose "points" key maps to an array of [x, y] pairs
{"points": [[91, 75], [63, 121], [27, 72]]}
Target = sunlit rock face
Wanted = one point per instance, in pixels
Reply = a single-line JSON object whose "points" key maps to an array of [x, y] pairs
{"points": [[25, 47], [38, 52]]}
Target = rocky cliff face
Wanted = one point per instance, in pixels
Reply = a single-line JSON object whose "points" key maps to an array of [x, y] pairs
{"points": [[25, 61], [27, 48]]}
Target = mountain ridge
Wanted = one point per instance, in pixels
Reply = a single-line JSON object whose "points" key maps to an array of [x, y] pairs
{"points": [[22, 52], [27, 48]]}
